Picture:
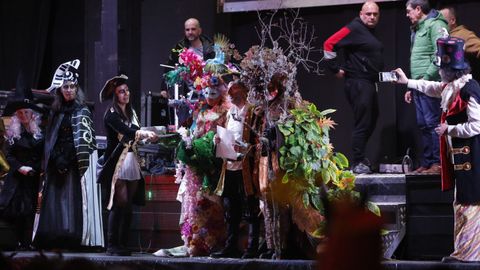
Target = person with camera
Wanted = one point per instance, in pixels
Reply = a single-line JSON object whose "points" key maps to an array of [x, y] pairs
{"points": [[459, 132], [363, 61], [18, 197]]}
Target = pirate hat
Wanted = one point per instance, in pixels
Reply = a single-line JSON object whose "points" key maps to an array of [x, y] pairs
{"points": [[22, 99], [109, 87]]}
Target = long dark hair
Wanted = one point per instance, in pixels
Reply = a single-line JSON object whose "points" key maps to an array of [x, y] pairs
{"points": [[58, 100], [128, 115]]}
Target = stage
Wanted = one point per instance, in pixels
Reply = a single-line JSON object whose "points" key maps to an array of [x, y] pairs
{"points": [[148, 261], [418, 219]]}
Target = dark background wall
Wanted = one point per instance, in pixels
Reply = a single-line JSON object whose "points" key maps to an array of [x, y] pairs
{"points": [[134, 37], [396, 129]]}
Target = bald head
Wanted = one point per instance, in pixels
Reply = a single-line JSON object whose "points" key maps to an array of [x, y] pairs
{"points": [[192, 29], [192, 21], [370, 14]]}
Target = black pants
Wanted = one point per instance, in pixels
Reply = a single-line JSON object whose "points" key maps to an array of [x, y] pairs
{"points": [[233, 201], [362, 97]]}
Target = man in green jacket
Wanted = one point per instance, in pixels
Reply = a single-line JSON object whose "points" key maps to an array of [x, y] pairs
{"points": [[427, 26]]}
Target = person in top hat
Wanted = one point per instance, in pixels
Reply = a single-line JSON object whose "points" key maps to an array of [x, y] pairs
{"points": [[69, 214], [25, 145], [121, 171], [459, 133]]}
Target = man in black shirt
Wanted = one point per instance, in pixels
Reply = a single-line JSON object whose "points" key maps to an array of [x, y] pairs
{"points": [[363, 60]]}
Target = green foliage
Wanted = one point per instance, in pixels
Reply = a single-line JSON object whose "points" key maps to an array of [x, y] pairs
{"points": [[309, 162]]}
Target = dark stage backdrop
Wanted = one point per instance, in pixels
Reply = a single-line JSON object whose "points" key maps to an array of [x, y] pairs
{"points": [[114, 36], [396, 129]]}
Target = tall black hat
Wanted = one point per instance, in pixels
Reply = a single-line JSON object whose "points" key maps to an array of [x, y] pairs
{"points": [[22, 99], [451, 53]]}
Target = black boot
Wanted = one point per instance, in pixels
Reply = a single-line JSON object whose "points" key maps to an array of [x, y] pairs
{"points": [[230, 250], [114, 222], [125, 230], [253, 238], [227, 252], [269, 254]]}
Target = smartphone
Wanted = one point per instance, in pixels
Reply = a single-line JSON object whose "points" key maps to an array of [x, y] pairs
{"points": [[387, 76]]}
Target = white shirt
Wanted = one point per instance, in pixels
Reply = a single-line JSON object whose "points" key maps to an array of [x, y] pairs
{"points": [[462, 130], [235, 120]]}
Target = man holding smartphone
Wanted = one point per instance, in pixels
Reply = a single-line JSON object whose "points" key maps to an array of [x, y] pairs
{"points": [[363, 61]]}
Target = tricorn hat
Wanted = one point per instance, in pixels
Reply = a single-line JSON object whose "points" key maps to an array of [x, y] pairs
{"points": [[450, 53], [109, 87], [22, 99]]}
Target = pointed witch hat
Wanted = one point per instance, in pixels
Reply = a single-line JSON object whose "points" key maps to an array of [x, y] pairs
{"points": [[22, 99]]}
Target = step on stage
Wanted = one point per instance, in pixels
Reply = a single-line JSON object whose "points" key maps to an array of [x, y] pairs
{"points": [[147, 262]]}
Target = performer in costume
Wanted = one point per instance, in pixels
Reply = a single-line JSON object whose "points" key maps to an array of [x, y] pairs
{"points": [[203, 227], [69, 214], [459, 132], [125, 181], [238, 183], [276, 215], [18, 198]]}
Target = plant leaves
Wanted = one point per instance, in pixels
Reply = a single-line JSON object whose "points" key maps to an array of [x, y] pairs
{"points": [[373, 207]]}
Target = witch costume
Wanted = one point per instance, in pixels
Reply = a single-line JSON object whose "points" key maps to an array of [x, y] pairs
{"points": [[69, 214], [25, 145]]}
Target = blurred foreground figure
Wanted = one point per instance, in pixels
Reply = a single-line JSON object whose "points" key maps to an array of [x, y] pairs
{"points": [[353, 239]]}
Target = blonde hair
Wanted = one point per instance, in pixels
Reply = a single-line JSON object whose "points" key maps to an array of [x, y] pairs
{"points": [[14, 130]]}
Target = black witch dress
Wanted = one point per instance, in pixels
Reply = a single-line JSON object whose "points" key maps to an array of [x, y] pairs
{"points": [[19, 193], [60, 221]]}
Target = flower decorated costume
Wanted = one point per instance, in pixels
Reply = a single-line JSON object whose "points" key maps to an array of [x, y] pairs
{"points": [[203, 226]]}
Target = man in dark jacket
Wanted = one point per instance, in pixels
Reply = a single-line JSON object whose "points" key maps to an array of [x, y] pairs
{"points": [[363, 60], [202, 46]]}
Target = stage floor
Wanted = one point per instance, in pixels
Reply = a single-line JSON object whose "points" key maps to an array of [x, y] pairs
{"points": [[148, 261]]}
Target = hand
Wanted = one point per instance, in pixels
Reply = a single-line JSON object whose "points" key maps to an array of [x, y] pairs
{"points": [[401, 77], [408, 96], [340, 74], [441, 129], [25, 170], [148, 135], [152, 136], [164, 94], [216, 139]]}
